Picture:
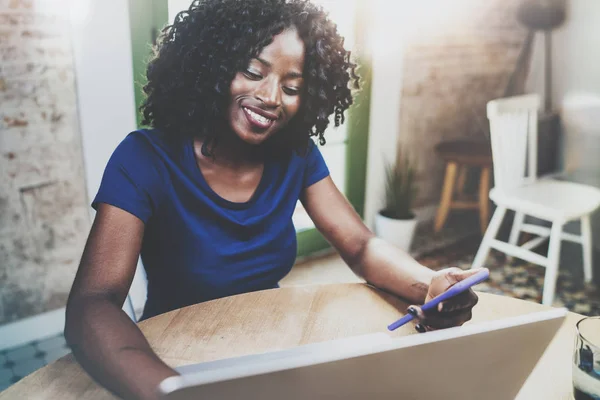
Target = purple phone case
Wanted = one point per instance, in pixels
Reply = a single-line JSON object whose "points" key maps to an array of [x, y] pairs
{"points": [[453, 291]]}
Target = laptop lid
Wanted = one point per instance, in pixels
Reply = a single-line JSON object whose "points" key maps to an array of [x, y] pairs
{"points": [[487, 360]]}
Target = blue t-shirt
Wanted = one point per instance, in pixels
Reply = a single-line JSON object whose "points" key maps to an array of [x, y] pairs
{"points": [[198, 246]]}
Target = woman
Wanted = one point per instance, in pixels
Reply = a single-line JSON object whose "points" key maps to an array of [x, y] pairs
{"points": [[234, 93]]}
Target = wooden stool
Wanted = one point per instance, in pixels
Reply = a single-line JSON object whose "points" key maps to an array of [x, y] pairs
{"points": [[459, 156]]}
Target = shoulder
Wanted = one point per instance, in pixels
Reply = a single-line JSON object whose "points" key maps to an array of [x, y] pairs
{"points": [[144, 145], [141, 141], [312, 164], [312, 151], [313, 154], [141, 158], [135, 144]]}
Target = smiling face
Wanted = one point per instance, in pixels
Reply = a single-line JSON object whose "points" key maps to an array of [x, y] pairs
{"points": [[267, 95]]}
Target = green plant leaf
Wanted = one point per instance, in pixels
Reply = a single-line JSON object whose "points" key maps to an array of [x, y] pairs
{"points": [[401, 189]]}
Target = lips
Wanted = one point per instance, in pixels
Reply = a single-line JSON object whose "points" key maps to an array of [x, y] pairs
{"points": [[258, 117]]}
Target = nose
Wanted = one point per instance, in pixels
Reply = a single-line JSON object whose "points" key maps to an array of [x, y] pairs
{"points": [[268, 92]]}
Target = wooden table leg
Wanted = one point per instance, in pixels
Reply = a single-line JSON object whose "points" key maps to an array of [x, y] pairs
{"points": [[446, 200], [484, 201], [462, 179]]}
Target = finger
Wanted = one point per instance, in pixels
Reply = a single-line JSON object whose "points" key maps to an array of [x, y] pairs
{"points": [[438, 320], [416, 312], [467, 299], [423, 328], [462, 301], [447, 320]]}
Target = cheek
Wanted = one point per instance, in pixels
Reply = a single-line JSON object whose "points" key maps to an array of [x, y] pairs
{"points": [[238, 85], [292, 107]]}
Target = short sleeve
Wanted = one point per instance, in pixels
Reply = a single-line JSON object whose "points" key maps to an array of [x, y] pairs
{"points": [[132, 180], [316, 169]]}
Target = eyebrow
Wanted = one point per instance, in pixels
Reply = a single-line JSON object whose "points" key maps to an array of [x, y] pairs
{"points": [[290, 74]]}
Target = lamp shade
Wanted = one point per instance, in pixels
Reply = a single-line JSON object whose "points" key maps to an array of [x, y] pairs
{"points": [[542, 15]]}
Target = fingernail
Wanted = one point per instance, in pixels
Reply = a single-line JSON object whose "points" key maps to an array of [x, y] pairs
{"points": [[441, 307], [412, 311], [420, 328]]}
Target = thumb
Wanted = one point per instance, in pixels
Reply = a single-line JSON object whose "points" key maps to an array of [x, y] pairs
{"points": [[456, 275]]}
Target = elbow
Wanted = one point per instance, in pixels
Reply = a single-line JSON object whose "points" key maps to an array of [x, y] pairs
{"points": [[70, 337], [78, 307], [356, 256], [367, 261], [84, 310], [70, 329]]}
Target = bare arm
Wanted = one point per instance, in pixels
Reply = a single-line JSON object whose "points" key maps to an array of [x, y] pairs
{"points": [[373, 259], [105, 341], [380, 263]]}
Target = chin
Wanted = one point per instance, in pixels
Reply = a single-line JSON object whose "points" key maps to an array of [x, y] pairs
{"points": [[247, 135], [254, 141], [253, 138]]}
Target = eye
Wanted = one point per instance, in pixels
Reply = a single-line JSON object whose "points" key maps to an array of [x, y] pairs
{"points": [[291, 91], [252, 75]]}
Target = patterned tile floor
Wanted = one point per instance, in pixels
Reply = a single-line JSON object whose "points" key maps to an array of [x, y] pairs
{"points": [[18, 362], [519, 279]]}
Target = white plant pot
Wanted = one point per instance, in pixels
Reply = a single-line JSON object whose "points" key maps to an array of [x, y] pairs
{"points": [[398, 232]]}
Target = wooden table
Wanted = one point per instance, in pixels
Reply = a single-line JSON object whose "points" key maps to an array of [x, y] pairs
{"points": [[288, 317]]}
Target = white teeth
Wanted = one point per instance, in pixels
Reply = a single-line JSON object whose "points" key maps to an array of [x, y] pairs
{"points": [[258, 117]]}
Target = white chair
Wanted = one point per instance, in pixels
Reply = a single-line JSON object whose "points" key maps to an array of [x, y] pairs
{"points": [[136, 297], [513, 128]]}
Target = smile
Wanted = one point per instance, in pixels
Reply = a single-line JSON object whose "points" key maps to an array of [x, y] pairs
{"points": [[258, 120]]}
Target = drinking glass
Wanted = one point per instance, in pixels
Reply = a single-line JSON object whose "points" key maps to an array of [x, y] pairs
{"points": [[586, 360]]}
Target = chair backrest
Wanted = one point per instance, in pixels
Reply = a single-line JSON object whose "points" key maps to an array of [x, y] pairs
{"points": [[513, 131]]}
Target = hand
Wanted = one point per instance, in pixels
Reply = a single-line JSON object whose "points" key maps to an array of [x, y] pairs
{"points": [[452, 312]]}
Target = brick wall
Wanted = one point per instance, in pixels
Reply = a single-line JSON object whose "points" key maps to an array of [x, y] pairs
{"points": [[453, 66], [44, 216]]}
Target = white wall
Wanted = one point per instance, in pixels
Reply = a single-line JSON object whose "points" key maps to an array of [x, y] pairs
{"points": [[575, 83], [575, 55], [576, 58], [390, 26], [384, 125], [104, 73]]}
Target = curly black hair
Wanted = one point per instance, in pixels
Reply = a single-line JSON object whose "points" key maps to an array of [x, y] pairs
{"points": [[197, 57]]}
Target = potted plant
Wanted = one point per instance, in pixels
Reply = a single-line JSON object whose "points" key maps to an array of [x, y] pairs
{"points": [[396, 222]]}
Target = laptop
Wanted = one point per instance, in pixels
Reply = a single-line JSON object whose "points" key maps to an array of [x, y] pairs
{"points": [[487, 360]]}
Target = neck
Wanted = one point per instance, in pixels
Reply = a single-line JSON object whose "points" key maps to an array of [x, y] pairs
{"points": [[231, 151]]}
